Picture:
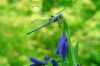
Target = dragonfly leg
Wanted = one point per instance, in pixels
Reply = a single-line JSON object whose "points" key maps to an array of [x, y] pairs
{"points": [[59, 23]]}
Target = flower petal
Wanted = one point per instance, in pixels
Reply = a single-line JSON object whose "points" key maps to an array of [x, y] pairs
{"points": [[54, 63], [46, 58], [61, 41], [34, 60], [65, 50], [62, 47]]}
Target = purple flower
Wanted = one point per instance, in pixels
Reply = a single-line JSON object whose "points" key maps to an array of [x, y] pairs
{"points": [[46, 58], [37, 62], [54, 62], [62, 48]]}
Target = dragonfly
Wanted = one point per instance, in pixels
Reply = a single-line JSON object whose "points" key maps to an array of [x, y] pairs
{"points": [[58, 17]]}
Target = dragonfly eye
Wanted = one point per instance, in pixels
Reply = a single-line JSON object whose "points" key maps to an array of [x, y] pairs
{"points": [[61, 17], [51, 16]]}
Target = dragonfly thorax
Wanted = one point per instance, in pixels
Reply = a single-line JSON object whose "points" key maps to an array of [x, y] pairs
{"points": [[56, 17]]}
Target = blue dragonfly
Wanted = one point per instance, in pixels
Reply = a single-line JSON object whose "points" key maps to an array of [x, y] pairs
{"points": [[56, 18]]}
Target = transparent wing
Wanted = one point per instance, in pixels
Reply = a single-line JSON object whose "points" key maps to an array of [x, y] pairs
{"points": [[39, 21], [37, 24]]}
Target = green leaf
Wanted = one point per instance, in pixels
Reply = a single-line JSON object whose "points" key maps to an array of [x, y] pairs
{"points": [[71, 54], [76, 51]]}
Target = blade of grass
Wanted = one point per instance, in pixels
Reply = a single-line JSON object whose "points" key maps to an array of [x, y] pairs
{"points": [[71, 55], [76, 51]]}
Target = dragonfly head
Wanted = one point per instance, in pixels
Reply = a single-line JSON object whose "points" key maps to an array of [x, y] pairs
{"points": [[58, 17], [61, 16]]}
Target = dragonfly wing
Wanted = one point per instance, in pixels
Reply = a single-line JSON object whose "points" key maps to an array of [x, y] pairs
{"points": [[47, 23], [39, 21]]}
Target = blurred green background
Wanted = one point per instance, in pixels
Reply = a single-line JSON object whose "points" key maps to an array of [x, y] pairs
{"points": [[83, 17]]}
